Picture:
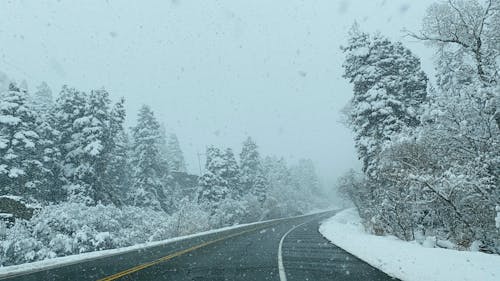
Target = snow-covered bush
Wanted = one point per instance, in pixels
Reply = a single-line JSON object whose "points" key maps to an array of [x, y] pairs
{"points": [[250, 209], [189, 218], [227, 212], [73, 228]]}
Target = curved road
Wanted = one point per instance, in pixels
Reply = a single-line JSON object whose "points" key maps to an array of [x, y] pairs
{"points": [[280, 250]]}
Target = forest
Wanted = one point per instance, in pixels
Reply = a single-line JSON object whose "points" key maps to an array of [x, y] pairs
{"points": [[430, 148], [74, 179]]}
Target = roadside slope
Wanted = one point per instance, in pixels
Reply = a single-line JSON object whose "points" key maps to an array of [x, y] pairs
{"points": [[408, 260]]}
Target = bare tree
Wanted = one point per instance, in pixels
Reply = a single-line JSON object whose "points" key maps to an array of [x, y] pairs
{"points": [[469, 27]]}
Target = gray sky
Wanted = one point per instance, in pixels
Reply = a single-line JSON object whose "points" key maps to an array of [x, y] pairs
{"points": [[213, 71]]}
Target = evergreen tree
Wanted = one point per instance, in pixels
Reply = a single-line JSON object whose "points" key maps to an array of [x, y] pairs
{"points": [[95, 145], [20, 166], [163, 145], [389, 89], [42, 103], [117, 175], [252, 176], [214, 187], [174, 155], [70, 107], [291, 190], [230, 172], [278, 174], [42, 100], [282, 194], [148, 166], [305, 177], [86, 144], [172, 158]]}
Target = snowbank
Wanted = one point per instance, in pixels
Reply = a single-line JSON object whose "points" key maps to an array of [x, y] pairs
{"points": [[408, 260]]}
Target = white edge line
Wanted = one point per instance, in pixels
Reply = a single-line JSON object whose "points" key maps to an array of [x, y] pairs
{"points": [[281, 267]]}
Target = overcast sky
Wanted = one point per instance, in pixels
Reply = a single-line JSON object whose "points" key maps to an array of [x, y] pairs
{"points": [[213, 71]]}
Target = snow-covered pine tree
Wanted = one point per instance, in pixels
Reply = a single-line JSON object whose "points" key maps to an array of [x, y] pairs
{"points": [[95, 145], [277, 174], [20, 166], [85, 142], [43, 104], [117, 173], [231, 173], [41, 100], [293, 190], [389, 89], [173, 160], [251, 173], [163, 145], [282, 196], [174, 155], [213, 187], [70, 106], [260, 187], [304, 176], [149, 169]]}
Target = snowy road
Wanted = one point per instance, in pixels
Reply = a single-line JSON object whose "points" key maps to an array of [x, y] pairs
{"points": [[288, 249]]}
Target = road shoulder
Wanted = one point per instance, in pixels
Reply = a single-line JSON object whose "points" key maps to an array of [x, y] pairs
{"points": [[408, 260]]}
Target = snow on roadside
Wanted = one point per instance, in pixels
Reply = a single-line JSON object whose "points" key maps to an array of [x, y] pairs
{"points": [[408, 260], [72, 259]]}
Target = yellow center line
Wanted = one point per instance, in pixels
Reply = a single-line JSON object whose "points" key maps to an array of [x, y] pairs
{"points": [[173, 255]]}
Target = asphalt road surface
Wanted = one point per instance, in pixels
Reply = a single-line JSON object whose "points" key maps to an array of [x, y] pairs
{"points": [[288, 249]]}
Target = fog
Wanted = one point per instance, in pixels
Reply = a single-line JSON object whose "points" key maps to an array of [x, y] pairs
{"points": [[214, 72]]}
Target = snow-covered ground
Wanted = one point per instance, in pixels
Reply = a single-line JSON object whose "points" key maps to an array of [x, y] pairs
{"points": [[408, 260]]}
